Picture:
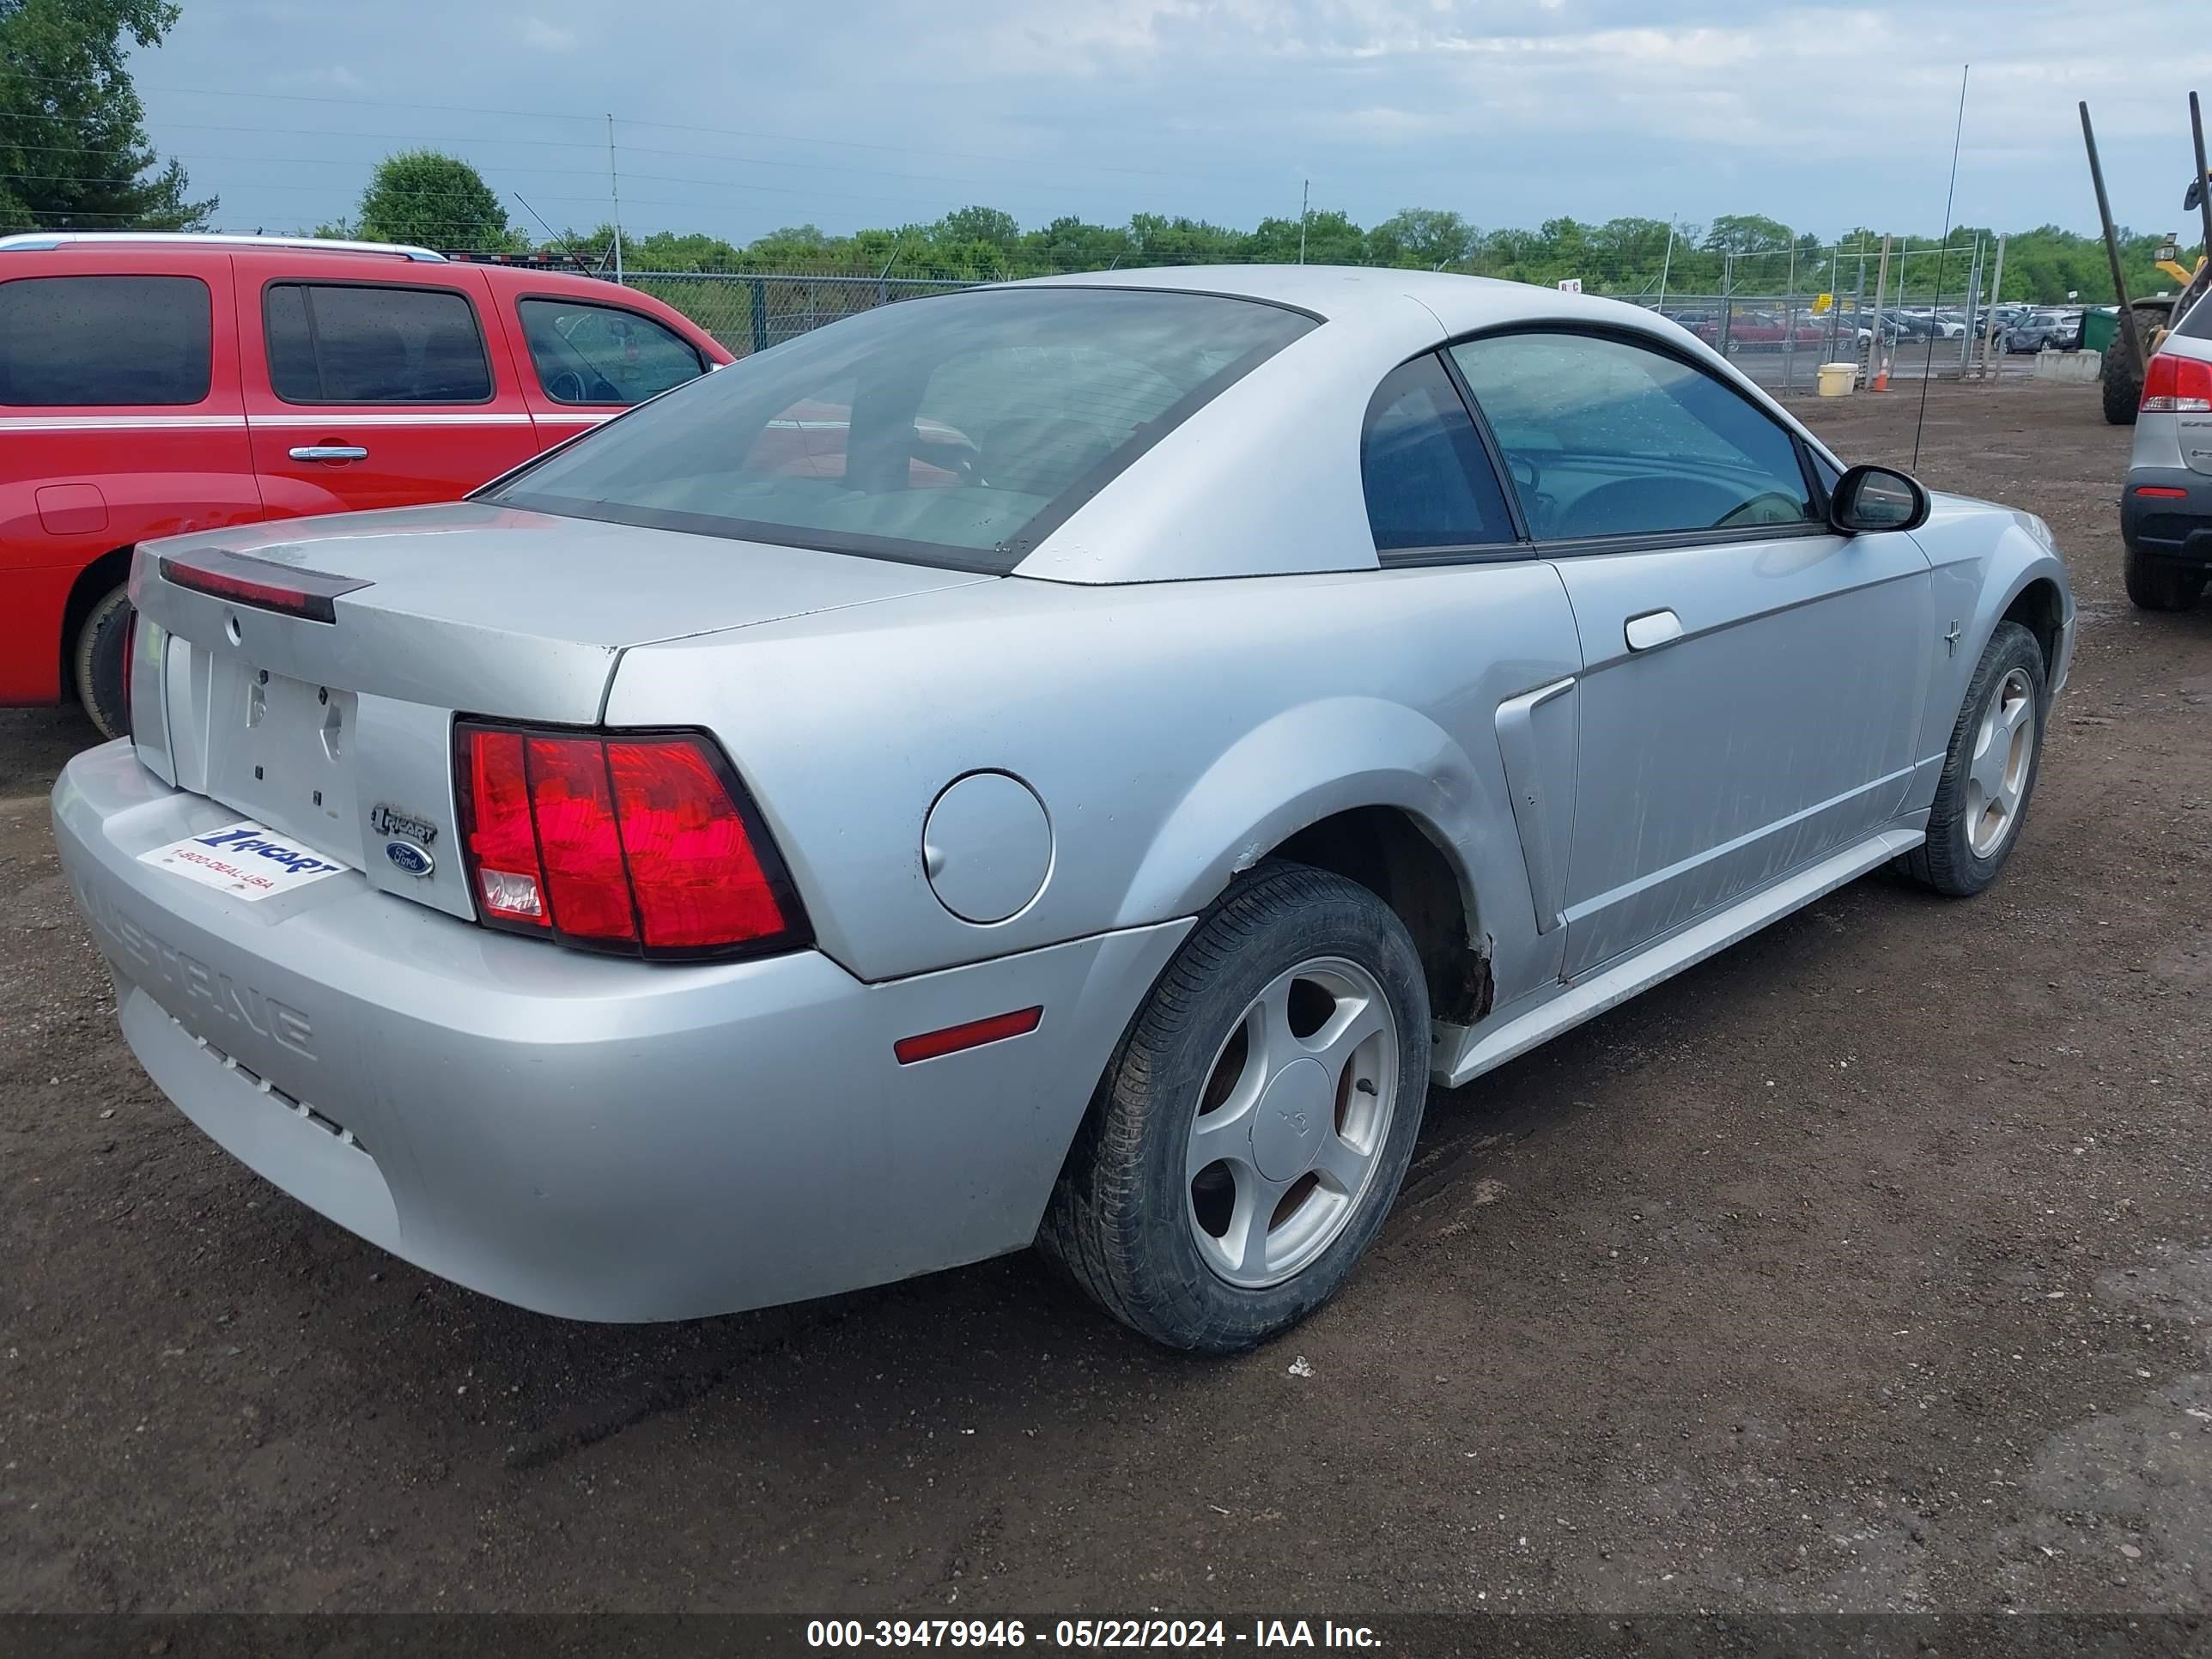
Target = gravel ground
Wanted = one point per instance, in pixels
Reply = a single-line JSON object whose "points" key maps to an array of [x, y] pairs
{"points": [[1866, 1267]]}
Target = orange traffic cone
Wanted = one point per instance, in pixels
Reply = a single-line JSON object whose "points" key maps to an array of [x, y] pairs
{"points": [[1881, 377]]}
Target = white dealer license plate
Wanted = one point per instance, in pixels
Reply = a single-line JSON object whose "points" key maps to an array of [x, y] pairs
{"points": [[244, 859]]}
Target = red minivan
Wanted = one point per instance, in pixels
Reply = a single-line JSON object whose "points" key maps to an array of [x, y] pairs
{"points": [[151, 385]]}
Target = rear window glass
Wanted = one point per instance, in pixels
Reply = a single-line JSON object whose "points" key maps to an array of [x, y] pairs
{"points": [[81, 341], [333, 344], [2196, 322], [958, 430]]}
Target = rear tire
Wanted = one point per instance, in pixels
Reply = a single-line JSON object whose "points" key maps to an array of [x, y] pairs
{"points": [[97, 662], [2118, 376], [2160, 583], [1293, 966], [1989, 771]]}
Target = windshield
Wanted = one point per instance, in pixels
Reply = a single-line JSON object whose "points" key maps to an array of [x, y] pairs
{"points": [[956, 430]]}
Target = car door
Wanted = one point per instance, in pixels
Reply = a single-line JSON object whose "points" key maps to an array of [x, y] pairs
{"points": [[1751, 681], [586, 361], [1434, 499], [367, 394], [119, 420]]}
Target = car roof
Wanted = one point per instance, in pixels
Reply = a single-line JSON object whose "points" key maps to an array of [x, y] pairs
{"points": [[1265, 478], [1331, 292]]}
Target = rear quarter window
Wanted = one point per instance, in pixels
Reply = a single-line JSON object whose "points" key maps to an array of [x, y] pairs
{"points": [[88, 341]]}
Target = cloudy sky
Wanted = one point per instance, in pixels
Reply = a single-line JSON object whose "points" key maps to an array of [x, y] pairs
{"points": [[737, 118]]}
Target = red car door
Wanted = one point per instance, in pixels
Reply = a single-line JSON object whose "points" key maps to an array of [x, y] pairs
{"points": [[374, 393], [119, 421]]}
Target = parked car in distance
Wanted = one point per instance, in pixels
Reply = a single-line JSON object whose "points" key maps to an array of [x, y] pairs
{"points": [[2045, 330], [2166, 507], [151, 385], [722, 862]]}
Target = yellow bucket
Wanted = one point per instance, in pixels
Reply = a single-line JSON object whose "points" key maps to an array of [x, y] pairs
{"points": [[1838, 380]]}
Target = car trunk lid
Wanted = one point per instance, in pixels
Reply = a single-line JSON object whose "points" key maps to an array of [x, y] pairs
{"points": [[331, 722]]}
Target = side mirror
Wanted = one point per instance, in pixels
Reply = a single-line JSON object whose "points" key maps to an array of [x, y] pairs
{"points": [[1871, 499]]}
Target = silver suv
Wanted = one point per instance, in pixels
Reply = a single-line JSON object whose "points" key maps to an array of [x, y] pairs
{"points": [[2166, 511]]}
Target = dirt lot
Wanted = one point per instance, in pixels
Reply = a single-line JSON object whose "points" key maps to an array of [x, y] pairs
{"points": [[1867, 1266]]}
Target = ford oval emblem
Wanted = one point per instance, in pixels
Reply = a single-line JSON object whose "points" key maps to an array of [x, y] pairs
{"points": [[407, 856]]}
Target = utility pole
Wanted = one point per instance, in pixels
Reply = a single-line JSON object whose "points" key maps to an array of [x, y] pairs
{"points": [[1305, 197], [1666, 264], [614, 187]]}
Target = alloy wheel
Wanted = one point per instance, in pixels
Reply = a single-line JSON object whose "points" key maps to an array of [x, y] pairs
{"points": [[1997, 776], [1293, 1121]]}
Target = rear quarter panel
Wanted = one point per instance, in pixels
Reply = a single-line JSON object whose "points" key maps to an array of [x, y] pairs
{"points": [[1174, 732]]}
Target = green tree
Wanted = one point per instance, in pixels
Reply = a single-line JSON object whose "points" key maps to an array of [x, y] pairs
{"points": [[1069, 244], [968, 226], [1742, 234], [74, 154], [1426, 238], [437, 200]]}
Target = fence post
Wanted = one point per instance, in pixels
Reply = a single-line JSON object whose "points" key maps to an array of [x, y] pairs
{"points": [[1835, 311], [760, 314], [1880, 294], [1859, 314], [1974, 304], [1993, 355], [1789, 325], [1728, 304]]}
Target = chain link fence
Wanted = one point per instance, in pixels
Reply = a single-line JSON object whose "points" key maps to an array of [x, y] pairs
{"points": [[1779, 316], [749, 312]]}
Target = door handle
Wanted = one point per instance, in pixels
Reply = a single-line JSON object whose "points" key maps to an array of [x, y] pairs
{"points": [[1653, 628], [330, 452]]}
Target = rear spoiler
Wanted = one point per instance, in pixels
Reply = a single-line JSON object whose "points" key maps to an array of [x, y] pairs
{"points": [[263, 583]]}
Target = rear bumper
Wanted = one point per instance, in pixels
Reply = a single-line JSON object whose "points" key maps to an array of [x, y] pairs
{"points": [[2176, 527], [585, 1136]]}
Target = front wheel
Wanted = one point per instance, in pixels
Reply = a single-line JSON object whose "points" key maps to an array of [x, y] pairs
{"points": [[96, 660], [1989, 771], [1252, 1131]]}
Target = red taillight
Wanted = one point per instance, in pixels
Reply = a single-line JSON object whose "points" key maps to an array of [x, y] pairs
{"points": [[692, 864], [577, 841], [501, 838], [2177, 385], [639, 842]]}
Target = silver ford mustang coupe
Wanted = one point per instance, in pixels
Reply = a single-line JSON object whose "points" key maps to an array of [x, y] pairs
{"points": [[1066, 762]]}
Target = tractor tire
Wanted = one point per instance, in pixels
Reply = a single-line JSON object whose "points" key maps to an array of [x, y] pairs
{"points": [[2121, 381]]}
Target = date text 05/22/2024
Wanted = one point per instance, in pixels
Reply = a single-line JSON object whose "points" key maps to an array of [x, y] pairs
{"points": [[1085, 1633]]}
